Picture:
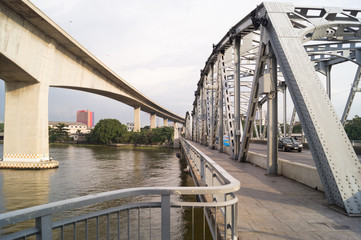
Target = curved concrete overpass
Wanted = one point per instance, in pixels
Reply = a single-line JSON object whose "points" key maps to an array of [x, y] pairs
{"points": [[36, 54], [71, 65]]}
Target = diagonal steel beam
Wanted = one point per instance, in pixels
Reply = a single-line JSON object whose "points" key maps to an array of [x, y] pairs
{"points": [[336, 161]]}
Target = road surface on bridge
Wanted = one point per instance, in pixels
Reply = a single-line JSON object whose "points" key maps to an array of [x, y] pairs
{"points": [[304, 157], [275, 207]]}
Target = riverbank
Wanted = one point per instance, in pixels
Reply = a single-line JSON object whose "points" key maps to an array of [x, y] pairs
{"points": [[118, 145]]}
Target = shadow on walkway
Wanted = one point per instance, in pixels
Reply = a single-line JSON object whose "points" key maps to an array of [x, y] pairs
{"points": [[275, 207]]}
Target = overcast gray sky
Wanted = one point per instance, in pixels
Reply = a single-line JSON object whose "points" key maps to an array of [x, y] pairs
{"points": [[158, 46]]}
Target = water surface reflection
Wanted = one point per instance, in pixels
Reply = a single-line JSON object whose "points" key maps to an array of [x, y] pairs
{"points": [[90, 170]]}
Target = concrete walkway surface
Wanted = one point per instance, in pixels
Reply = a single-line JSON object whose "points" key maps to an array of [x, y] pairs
{"points": [[275, 207]]}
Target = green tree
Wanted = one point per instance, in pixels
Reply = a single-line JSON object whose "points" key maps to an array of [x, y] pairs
{"points": [[61, 130], [353, 128], [136, 137], [52, 136], [297, 128], [58, 133], [1, 127], [108, 131]]}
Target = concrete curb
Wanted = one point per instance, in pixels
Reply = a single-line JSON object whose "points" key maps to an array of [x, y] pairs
{"points": [[299, 172]]}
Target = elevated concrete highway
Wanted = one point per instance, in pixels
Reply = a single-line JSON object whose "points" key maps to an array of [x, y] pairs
{"points": [[36, 54]]}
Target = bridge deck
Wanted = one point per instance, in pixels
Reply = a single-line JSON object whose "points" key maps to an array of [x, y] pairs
{"points": [[280, 208], [304, 157]]}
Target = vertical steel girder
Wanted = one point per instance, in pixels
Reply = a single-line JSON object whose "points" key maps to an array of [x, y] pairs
{"points": [[211, 137], [284, 110], [220, 105], [272, 140], [336, 162], [203, 97], [216, 107], [208, 109], [237, 95]]}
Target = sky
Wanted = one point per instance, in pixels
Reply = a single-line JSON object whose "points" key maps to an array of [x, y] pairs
{"points": [[159, 47]]}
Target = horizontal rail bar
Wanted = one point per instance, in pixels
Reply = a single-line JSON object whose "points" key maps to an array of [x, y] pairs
{"points": [[104, 212], [21, 234]]}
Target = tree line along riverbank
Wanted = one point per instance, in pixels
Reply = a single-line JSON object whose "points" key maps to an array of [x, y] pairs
{"points": [[112, 132]]}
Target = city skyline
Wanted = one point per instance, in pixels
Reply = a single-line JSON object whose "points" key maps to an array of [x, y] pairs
{"points": [[158, 47]]}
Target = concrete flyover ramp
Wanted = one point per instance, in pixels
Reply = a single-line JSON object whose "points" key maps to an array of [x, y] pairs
{"points": [[36, 54]]}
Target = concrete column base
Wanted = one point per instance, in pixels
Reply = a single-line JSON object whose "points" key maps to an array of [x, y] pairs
{"points": [[32, 158], [26, 123], [29, 165]]}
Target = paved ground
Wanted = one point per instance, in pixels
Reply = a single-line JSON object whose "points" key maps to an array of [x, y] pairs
{"points": [[279, 208]]}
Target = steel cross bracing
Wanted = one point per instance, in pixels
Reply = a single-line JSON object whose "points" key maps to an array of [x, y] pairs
{"points": [[208, 86], [327, 55], [204, 111], [228, 94], [304, 40], [216, 106]]}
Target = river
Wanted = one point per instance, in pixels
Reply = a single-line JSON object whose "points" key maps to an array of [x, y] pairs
{"points": [[88, 170]]}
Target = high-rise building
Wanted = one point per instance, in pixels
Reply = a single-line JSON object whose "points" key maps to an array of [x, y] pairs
{"points": [[85, 117]]}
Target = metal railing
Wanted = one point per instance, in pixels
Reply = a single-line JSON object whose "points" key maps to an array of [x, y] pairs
{"points": [[116, 222]]}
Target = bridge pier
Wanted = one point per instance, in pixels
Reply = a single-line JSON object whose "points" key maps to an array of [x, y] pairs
{"points": [[176, 140], [153, 118], [35, 54], [165, 122], [137, 119], [26, 144]]}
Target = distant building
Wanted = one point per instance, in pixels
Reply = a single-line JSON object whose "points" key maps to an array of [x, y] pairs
{"points": [[72, 127], [85, 117], [130, 126]]}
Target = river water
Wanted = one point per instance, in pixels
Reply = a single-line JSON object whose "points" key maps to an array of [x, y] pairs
{"points": [[88, 170]]}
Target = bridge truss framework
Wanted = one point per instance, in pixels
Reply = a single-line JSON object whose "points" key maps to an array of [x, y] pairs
{"points": [[280, 47]]}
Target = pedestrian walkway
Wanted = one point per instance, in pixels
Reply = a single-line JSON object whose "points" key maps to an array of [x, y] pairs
{"points": [[275, 207]]}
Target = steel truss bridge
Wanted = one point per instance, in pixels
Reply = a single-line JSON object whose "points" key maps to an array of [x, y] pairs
{"points": [[280, 47], [277, 47]]}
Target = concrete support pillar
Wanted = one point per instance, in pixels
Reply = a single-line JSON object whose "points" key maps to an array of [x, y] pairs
{"points": [[176, 136], [165, 122], [272, 148], [137, 119], [153, 118], [26, 122]]}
